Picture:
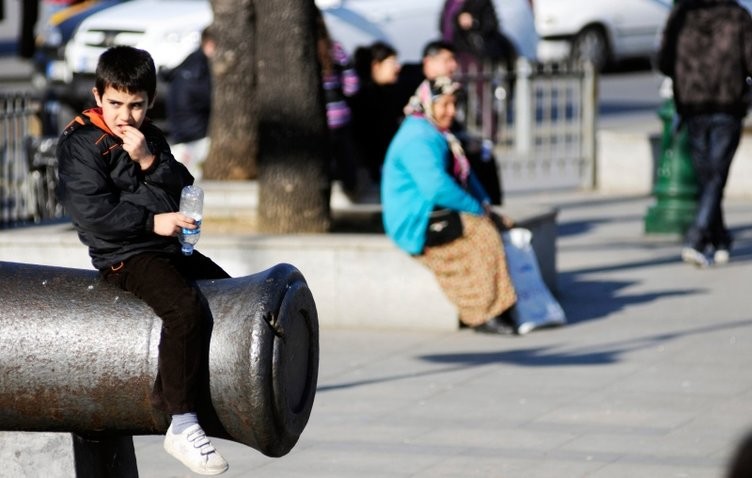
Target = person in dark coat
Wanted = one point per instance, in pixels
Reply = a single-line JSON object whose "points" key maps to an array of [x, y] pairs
{"points": [[473, 28], [706, 50], [189, 105], [376, 108]]}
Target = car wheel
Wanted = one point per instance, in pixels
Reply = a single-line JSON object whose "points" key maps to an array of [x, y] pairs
{"points": [[591, 45]]}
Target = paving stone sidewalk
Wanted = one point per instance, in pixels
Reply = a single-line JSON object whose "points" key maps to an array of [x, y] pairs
{"points": [[649, 379]]}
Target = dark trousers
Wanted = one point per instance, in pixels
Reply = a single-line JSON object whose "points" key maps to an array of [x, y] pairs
{"points": [[166, 283], [343, 166], [713, 141]]}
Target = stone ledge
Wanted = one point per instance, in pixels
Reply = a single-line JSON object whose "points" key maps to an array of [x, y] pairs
{"points": [[627, 162], [357, 279]]}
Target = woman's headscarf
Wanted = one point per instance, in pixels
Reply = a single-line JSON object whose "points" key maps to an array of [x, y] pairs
{"points": [[421, 104]]}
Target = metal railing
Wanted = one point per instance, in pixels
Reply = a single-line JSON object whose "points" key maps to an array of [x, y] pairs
{"points": [[541, 119], [28, 167]]}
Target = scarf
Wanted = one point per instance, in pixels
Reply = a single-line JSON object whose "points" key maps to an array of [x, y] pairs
{"points": [[421, 104]]}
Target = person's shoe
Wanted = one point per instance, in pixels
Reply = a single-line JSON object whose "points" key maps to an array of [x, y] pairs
{"points": [[721, 256], [692, 256], [193, 449], [496, 326]]}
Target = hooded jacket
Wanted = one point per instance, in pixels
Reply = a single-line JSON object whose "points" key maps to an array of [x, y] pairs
{"points": [[707, 50], [485, 25], [189, 98], [110, 200]]}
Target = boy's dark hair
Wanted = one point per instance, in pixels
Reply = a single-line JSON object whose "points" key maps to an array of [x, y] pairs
{"points": [[437, 46], [128, 69]]}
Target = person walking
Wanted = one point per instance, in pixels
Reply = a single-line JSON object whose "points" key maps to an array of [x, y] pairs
{"points": [[706, 50]]}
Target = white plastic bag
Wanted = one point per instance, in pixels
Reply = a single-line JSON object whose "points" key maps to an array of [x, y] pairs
{"points": [[536, 306]]}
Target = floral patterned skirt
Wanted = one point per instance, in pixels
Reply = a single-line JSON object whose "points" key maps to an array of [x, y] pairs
{"points": [[472, 271]]}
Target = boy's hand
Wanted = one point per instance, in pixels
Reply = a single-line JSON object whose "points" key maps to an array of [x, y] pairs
{"points": [[134, 143], [170, 223]]}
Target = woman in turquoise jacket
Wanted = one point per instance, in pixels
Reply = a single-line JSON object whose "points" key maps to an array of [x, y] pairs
{"points": [[425, 175]]}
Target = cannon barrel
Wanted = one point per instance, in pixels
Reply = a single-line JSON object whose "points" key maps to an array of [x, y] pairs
{"points": [[80, 355]]}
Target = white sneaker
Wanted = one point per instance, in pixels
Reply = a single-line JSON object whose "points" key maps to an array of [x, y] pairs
{"points": [[721, 256], [193, 449], [694, 257]]}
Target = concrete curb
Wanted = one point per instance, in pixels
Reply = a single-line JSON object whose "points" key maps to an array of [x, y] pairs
{"points": [[358, 280], [626, 164]]}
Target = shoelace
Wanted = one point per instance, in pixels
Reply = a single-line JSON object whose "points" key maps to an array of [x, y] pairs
{"points": [[199, 440]]}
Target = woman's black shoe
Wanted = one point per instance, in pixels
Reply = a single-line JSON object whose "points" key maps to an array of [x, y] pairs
{"points": [[496, 326]]}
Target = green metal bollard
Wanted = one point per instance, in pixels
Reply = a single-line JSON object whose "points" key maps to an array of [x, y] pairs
{"points": [[676, 184]]}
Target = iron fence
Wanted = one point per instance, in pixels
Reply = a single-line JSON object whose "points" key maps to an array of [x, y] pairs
{"points": [[541, 120], [28, 168]]}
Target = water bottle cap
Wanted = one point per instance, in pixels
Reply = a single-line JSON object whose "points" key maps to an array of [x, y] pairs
{"points": [[187, 249]]}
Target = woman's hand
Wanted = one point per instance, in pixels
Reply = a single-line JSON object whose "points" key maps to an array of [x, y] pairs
{"points": [[465, 21], [501, 221], [169, 223]]}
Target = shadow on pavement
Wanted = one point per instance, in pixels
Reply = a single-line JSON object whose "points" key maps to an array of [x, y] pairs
{"points": [[548, 356], [591, 300], [599, 354], [574, 228], [585, 300]]}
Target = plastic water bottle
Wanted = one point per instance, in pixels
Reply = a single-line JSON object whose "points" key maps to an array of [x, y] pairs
{"points": [[191, 205]]}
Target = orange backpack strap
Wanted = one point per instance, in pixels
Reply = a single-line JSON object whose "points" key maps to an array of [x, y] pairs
{"points": [[79, 121]]}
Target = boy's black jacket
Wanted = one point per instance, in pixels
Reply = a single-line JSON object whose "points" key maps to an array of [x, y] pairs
{"points": [[111, 201]]}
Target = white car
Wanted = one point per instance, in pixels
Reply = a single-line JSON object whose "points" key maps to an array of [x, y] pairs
{"points": [[408, 25], [601, 31], [170, 29]]}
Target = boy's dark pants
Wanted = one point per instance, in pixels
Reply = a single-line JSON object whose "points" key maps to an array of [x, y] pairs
{"points": [[165, 283]]}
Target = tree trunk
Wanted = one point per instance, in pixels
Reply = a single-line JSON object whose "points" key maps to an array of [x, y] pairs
{"points": [[233, 124], [294, 186]]}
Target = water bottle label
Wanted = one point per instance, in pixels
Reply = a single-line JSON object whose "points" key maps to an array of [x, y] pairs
{"points": [[189, 232]]}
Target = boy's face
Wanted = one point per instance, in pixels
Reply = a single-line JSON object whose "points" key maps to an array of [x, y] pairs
{"points": [[120, 108]]}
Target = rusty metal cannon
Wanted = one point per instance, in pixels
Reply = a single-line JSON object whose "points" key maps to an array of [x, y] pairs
{"points": [[79, 355]]}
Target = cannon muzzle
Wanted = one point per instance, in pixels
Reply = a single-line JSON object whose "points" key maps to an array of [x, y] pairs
{"points": [[80, 355]]}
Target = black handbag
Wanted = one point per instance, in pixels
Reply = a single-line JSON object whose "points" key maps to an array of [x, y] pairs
{"points": [[444, 226]]}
